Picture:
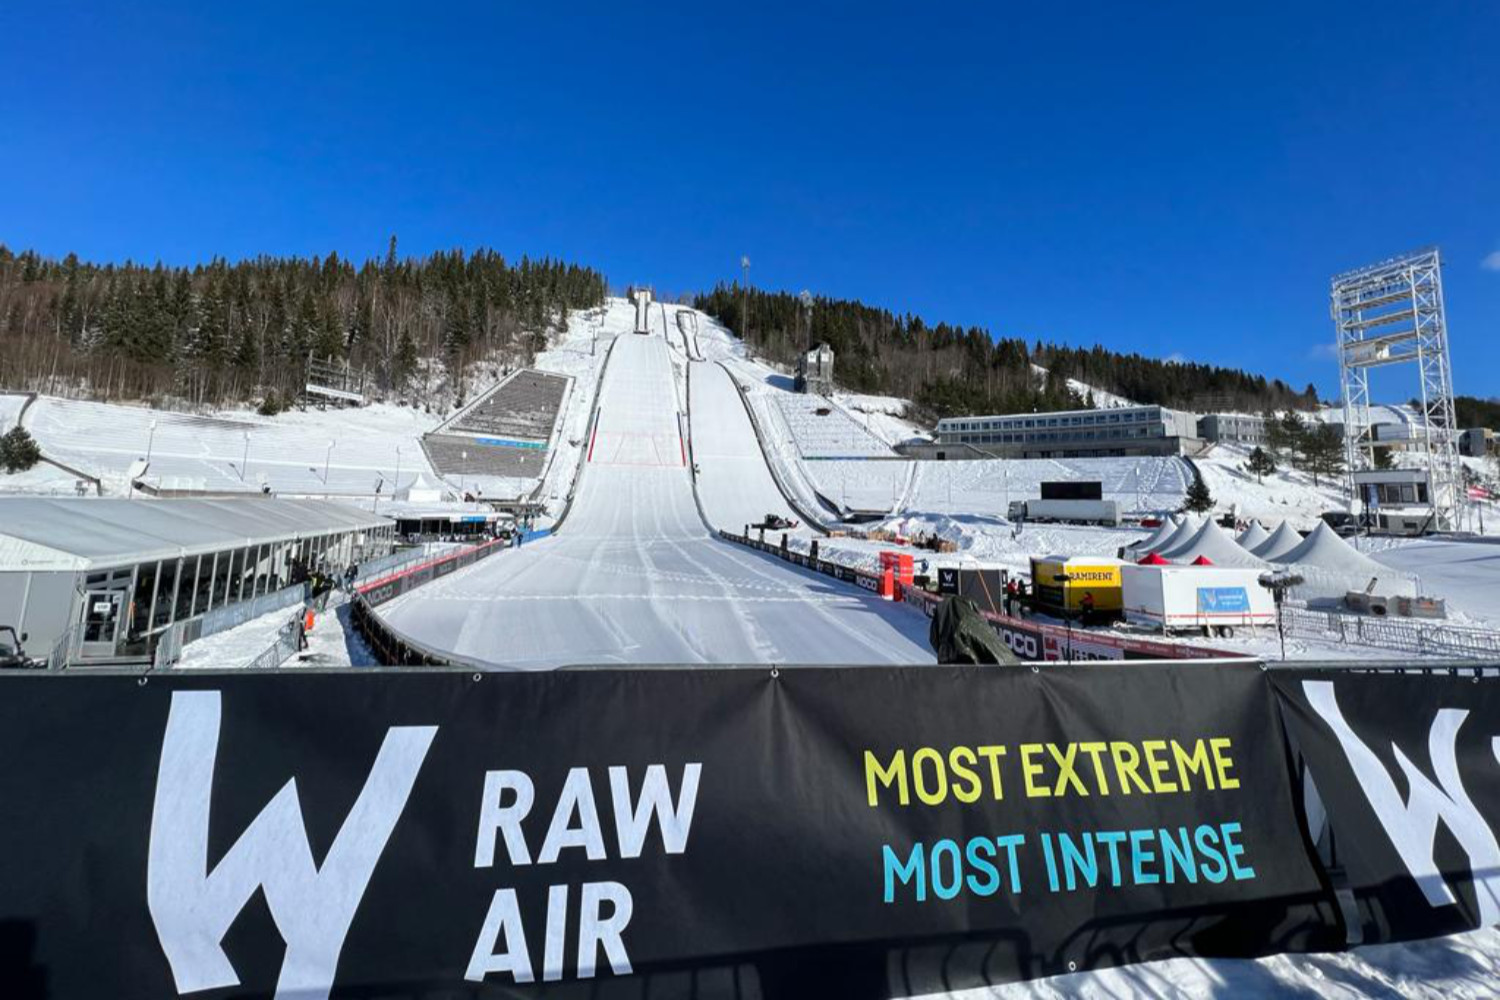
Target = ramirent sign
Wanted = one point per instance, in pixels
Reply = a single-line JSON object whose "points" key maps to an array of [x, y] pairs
{"points": [[363, 833]]}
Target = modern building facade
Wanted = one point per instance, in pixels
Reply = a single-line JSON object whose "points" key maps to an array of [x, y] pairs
{"points": [[1126, 430], [1234, 428], [108, 576]]}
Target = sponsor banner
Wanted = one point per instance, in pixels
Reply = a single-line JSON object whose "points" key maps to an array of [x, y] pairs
{"points": [[389, 587], [1407, 768], [351, 833]]}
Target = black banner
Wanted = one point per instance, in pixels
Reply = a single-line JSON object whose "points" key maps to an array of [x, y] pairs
{"points": [[1405, 767], [424, 833]]}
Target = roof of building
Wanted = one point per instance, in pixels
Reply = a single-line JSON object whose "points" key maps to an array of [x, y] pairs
{"points": [[1095, 412], [79, 533]]}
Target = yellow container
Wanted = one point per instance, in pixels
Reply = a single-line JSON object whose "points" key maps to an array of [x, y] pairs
{"points": [[1082, 575]]}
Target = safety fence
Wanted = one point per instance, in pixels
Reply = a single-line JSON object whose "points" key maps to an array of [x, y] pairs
{"points": [[1029, 640], [1400, 635]]}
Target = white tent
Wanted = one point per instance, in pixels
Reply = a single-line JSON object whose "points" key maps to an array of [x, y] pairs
{"points": [[1331, 567], [1213, 544], [1185, 530], [1252, 536], [419, 490], [1283, 540], [1161, 534]]}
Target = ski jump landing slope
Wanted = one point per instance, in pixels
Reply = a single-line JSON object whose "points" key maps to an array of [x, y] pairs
{"points": [[635, 577]]}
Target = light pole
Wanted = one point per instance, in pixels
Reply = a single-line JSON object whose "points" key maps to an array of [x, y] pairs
{"points": [[463, 471], [807, 300], [245, 459], [327, 460], [150, 440], [745, 303], [1063, 579]]}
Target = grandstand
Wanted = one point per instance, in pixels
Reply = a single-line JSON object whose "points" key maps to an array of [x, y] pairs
{"points": [[506, 432], [823, 430]]}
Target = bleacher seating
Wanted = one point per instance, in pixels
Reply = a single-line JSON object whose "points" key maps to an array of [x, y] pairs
{"points": [[506, 432], [832, 434], [447, 455], [523, 407]]}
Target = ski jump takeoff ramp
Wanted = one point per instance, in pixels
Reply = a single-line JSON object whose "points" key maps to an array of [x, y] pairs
{"points": [[635, 577]]}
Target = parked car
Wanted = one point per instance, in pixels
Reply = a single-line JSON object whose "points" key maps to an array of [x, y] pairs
{"points": [[1343, 523], [11, 653]]}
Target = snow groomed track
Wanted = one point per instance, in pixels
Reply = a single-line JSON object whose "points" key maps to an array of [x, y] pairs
{"points": [[636, 577]]}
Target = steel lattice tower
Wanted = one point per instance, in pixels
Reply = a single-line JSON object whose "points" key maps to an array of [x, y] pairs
{"points": [[1387, 314]]}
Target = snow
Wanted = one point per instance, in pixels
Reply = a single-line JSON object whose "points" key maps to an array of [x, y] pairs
{"points": [[734, 484], [1464, 572], [1459, 967], [290, 453], [635, 577], [1283, 495]]}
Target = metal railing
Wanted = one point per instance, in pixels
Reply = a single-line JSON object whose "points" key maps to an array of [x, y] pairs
{"points": [[1402, 635], [283, 649]]}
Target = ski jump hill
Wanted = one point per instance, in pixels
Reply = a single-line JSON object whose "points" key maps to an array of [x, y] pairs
{"points": [[636, 574]]}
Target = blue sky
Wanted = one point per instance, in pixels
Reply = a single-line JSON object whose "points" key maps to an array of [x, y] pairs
{"points": [[1154, 177]]}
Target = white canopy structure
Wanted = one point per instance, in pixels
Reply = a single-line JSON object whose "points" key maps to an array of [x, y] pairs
{"points": [[1331, 567], [1283, 540], [1163, 531], [1252, 536], [1184, 532], [419, 490], [71, 533], [1213, 544]]}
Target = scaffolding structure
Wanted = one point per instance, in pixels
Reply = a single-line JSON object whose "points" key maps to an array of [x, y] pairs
{"points": [[1391, 313]]}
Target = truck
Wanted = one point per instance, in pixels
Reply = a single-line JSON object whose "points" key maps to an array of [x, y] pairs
{"points": [[1211, 600], [1067, 511]]}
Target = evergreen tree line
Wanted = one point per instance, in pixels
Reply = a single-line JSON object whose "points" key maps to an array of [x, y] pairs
{"points": [[951, 370], [1312, 447], [221, 333]]}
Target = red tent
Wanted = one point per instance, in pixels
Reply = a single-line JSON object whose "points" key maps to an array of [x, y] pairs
{"points": [[1152, 559], [1203, 561]]}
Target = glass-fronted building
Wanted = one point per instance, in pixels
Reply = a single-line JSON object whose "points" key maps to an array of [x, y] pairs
{"points": [[108, 576], [1125, 430]]}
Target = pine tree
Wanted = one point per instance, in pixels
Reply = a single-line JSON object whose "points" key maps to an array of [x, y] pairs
{"points": [[1199, 499], [1323, 452], [18, 450], [1260, 463]]}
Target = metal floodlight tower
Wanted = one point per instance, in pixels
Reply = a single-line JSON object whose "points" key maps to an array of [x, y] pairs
{"points": [[1387, 314]]}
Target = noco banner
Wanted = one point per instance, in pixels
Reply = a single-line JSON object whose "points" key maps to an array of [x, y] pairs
{"points": [[440, 832], [1407, 767]]}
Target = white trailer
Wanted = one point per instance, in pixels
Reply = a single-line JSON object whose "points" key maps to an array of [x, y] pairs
{"points": [[1214, 600], [1067, 511]]}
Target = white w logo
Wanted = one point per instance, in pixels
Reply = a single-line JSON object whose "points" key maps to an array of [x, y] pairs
{"points": [[1412, 825], [193, 908]]}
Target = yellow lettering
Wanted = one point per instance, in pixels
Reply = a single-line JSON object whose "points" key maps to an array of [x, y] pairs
{"points": [[1095, 752], [966, 786], [896, 773], [932, 798], [993, 755], [1194, 763], [1065, 769], [1222, 762], [1030, 770], [1127, 760], [1157, 764]]}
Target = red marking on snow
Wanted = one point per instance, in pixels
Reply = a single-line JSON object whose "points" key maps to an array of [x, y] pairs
{"points": [[593, 438]]}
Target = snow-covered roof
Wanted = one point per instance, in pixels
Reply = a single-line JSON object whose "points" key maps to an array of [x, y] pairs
{"points": [[1326, 550], [78, 533], [1252, 536], [1185, 530], [1283, 540], [1212, 542], [1162, 533]]}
